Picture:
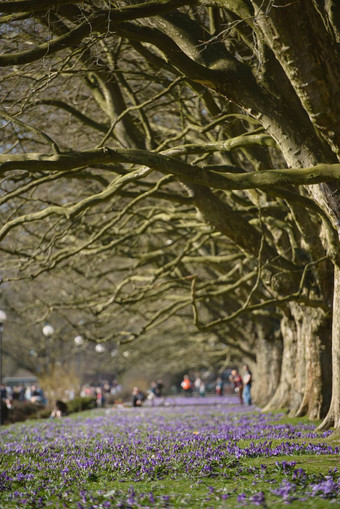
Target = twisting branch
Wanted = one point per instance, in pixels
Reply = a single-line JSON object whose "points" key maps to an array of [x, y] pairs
{"points": [[33, 5], [72, 210], [95, 22], [135, 108], [32, 128], [77, 114], [260, 179], [279, 301]]}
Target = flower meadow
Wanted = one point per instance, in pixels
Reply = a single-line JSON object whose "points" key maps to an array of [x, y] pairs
{"points": [[214, 455]]}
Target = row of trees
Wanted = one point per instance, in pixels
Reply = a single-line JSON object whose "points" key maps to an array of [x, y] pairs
{"points": [[170, 177]]}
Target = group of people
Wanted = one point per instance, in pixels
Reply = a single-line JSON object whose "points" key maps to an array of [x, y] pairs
{"points": [[242, 386], [155, 391], [101, 391], [32, 393], [197, 386], [9, 395]]}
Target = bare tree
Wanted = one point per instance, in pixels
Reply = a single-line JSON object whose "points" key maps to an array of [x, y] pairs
{"points": [[168, 157]]}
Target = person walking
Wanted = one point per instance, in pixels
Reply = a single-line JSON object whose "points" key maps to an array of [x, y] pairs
{"points": [[219, 386], [247, 382], [187, 385], [236, 379]]}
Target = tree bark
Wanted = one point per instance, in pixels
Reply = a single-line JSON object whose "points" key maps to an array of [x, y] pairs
{"points": [[333, 416], [314, 357], [282, 396], [268, 366]]}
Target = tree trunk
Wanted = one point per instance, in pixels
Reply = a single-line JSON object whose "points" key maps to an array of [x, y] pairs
{"points": [[305, 380], [333, 416], [282, 395], [268, 368], [317, 359]]}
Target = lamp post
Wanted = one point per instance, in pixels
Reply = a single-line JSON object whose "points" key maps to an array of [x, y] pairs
{"points": [[48, 330], [79, 342], [99, 349], [3, 318], [114, 355]]}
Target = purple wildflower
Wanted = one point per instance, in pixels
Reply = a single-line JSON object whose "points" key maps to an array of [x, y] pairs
{"points": [[257, 498]]}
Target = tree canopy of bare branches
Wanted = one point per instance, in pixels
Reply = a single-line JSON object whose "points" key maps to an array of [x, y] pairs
{"points": [[168, 162]]}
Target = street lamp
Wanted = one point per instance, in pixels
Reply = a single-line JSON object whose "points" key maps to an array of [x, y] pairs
{"points": [[79, 342], [99, 349], [48, 330], [3, 318], [115, 356]]}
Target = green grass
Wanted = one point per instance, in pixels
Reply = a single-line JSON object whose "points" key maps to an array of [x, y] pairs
{"points": [[181, 489]]}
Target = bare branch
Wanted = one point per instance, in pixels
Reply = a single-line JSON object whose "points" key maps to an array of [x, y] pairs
{"points": [[260, 179], [96, 22]]}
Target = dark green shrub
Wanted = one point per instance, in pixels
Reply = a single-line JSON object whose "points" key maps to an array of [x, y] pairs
{"points": [[80, 404], [23, 410]]}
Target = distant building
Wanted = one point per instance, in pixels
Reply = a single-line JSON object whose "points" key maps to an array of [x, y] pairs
{"points": [[20, 377]]}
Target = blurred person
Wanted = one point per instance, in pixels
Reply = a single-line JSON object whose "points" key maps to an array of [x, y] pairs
{"points": [[100, 397], [83, 391], [22, 393], [236, 379], [187, 385], [6, 397], [118, 388], [202, 389], [160, 387], [199, 386], [60, 409], [219, 386], [138, 397], [28, 393], [152, 393], [247, 382], [106, 387], [3, 392], [113, 387], [15, 393], [37, 395]]}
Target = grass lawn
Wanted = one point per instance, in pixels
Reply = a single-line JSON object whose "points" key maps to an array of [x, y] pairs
{"points": [[214, 456]]}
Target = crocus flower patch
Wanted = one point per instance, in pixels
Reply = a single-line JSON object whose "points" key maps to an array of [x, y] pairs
{"points": [[184, 455]]}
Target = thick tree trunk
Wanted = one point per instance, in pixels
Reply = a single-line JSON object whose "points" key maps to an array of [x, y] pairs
{"points": [[286, 387], [333, 416], [311, 63], [302, 323], [306, 375], [317, 359], [268, 368]]}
